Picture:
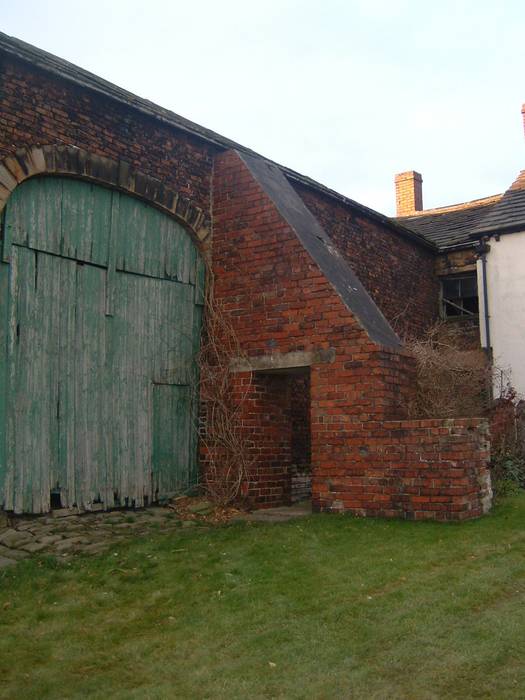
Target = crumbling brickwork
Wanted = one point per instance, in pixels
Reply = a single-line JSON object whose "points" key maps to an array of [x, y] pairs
{"points": [[455, 262]]}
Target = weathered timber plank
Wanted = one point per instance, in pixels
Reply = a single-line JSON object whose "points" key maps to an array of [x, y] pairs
{"points": [[158, 247], [131, 400], [200, 280], [32, 427], [4, 306], [63, 475], [171, 438], [112, 253], [86, 215], [35, 215], [91, 385]]}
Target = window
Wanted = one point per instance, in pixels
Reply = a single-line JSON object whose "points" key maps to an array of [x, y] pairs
{"points": [[459, 296]]}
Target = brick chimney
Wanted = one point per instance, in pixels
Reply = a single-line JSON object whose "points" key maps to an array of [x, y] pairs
{"points": [[409, 193], [523, 115]]}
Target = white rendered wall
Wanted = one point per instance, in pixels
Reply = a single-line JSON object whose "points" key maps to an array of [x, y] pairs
{"points": [[506, 302]]}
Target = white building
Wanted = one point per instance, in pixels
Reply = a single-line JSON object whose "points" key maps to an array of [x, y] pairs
{"points": [[501, 283]]}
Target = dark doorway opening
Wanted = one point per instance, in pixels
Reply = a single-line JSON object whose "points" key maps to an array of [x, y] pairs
{"points": [[301, 451], [282, 471]]}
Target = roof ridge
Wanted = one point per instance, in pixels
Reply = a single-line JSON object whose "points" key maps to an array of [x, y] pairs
{"points": [[471, 204], [508, 215], [519, 183]]}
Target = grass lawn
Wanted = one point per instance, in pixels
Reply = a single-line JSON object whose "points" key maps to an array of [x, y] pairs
{"points": [[326, 607]]}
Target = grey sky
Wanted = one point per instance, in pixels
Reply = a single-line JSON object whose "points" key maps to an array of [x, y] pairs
{"points": [[348, 93]]}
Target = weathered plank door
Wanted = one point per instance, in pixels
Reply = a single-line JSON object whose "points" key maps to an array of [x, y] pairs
{"points": [[100, 316]]}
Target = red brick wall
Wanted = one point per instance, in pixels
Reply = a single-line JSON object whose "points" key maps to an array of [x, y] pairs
{"points": [[266, 414], [37, 108], [280, 302], [430, 469], [398, 274]]}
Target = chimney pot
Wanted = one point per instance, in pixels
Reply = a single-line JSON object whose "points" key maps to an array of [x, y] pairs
{"points": [[409, 193], [523, 115]]}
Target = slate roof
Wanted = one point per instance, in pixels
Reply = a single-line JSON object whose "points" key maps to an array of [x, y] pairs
{"points": [[508, 214], [461, 224], [452, 226]]}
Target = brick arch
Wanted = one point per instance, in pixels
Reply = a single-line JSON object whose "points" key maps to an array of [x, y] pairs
{"points": [[75, 162]]}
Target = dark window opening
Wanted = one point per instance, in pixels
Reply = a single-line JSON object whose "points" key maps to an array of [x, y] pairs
{"points": [[459, 296]]}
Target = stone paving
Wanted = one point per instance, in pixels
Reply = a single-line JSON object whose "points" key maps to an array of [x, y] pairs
{"points": [[280, 514], [64, 533]]}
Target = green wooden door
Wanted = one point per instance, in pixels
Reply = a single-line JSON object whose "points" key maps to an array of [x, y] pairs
{"points": [[100, 315]]}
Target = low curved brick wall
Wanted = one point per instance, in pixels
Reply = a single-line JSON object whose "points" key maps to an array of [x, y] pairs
{"points": [[415, 469]]}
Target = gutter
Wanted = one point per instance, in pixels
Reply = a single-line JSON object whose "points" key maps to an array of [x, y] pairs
{"points": [[501, 229], [457, 246]]}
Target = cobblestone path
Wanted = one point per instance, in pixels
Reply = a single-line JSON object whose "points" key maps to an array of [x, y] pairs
{"points": [[64, 533]]}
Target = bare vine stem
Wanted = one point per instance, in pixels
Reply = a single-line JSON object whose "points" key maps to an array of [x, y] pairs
{"points": [[226, 450]]}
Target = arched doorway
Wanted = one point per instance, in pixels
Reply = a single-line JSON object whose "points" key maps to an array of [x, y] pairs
{"points": [[100, 316]]}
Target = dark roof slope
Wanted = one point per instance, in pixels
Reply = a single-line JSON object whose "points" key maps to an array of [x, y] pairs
{"points": [[68, 71], [508, 214], [451, 226], [317, 242]]}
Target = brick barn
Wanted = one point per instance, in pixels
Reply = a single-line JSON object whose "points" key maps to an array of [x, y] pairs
{"points": [[111, 205]]}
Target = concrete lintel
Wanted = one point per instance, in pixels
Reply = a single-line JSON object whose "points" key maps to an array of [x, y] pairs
{"points": [[287, 360]]}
